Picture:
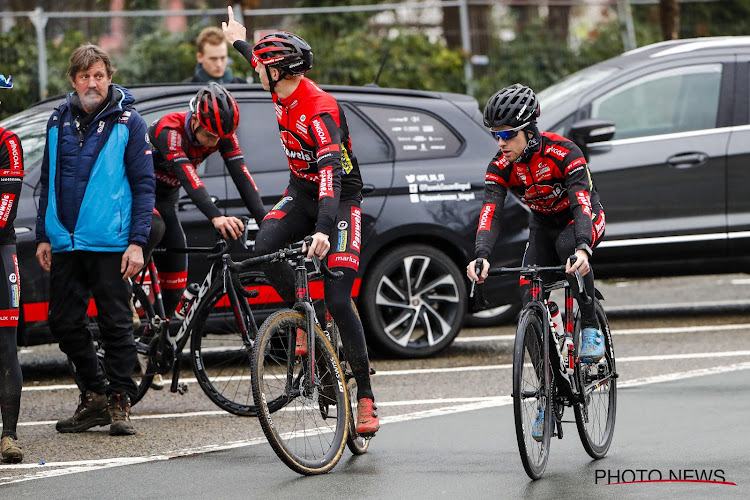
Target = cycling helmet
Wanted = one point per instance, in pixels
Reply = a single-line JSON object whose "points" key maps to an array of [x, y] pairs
{"points": [[216, 109], [285, 51], [513, 106]]}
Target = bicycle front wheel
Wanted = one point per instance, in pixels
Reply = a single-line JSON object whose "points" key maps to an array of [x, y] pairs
{"points": [[595, 418], [221, 351], [305, 421], [531, 393]]}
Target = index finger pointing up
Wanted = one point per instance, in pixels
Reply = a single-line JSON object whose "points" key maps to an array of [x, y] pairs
{"points": [[230, 12]]}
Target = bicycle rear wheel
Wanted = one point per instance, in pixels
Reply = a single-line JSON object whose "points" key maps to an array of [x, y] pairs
{"points": [[595, 418], [306, 426], [357, 444], [221, 351], [531, 392]]}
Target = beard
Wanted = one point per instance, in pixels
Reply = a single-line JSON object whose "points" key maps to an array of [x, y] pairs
{"points": [[91, 99]]}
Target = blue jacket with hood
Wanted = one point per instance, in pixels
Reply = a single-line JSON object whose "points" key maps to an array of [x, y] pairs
{"points": [[101, 197]]}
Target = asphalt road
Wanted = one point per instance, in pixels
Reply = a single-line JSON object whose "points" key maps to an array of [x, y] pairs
{"points": [[447, 421]]}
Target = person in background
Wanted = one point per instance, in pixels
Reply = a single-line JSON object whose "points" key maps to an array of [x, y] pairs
{"points": [[94, 217], [181, 141], [213, 61], [11, 380]]}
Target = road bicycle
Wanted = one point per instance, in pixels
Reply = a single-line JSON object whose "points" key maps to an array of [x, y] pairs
{"points": [[542, 374], [297, 380]]}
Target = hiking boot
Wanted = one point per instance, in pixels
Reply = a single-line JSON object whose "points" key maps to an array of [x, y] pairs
{"points": [[537, 430], [592, 347], [367, 417], [300, 348], [91, 412], [11, 450], [119, 413]]}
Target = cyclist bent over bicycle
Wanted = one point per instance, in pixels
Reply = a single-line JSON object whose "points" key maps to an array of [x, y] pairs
{"points": [[549, 174], [324, 192], [180, 142]]}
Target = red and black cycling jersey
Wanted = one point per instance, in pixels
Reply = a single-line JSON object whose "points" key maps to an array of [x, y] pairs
{"points": [[555, 184], [177, 154], [315, 138], [11, 179]]}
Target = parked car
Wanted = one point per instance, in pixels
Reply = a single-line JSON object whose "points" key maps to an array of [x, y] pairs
{"points": [[422, 157], [673, 176]]}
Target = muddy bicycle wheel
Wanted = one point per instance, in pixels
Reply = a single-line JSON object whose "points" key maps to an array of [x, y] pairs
{"points": [[306, 423]]}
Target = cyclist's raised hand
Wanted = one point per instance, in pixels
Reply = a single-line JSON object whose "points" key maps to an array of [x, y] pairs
{"points": [[581, 263], [471, 271], [230, 227], [233, 30], [319, 246]]}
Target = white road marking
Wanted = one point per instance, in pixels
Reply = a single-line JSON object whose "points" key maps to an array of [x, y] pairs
{"points": [[469, 404], [628, 331]]}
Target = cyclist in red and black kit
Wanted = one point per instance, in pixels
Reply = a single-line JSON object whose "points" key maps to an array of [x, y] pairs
{"points": [[180, 142], [324, 191], [11, 380], [549, 174]]}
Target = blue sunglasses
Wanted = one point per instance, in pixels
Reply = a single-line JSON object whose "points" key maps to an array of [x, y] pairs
{"points": [[509, 134]]}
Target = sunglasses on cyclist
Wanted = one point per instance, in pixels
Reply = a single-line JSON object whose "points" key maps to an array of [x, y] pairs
{"points": [[509, 134]]}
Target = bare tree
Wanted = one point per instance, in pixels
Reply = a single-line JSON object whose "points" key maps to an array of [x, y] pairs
{"points": [[669, 14]]}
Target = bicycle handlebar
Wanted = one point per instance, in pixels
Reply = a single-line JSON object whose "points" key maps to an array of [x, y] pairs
{"points": [[533, 270]]}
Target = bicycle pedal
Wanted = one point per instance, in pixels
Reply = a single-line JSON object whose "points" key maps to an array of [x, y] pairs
{"points": [[182, 388]]}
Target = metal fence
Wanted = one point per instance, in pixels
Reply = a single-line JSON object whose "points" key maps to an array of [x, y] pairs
{"points": [[465, 25]]}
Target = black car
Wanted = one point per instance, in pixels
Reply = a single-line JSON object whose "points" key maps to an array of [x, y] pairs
{"points": [[422, 156], [673, 178]]}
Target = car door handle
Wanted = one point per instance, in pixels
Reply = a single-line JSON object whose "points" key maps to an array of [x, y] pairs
{"points": [[368, 188], [687, 160], [186, 203]]}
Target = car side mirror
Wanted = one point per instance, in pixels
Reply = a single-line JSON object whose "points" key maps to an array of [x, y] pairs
{"points": [[589, 131]]}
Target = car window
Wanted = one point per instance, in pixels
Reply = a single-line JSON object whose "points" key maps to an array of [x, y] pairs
{"points": [[665, 102], [368, 145], [259, 139], [31, 129], [152, 115], [415, 133]]}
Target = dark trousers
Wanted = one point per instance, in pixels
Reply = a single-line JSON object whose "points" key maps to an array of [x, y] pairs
{"points": [[74, 278]]}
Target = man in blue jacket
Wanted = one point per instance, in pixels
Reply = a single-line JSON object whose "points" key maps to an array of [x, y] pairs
{"points": [[94, 218]]}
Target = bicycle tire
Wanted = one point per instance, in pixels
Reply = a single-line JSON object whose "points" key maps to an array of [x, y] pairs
{"points": [[595, 419], [357, 444], [221, 354], [531, 392], [306, 428]]}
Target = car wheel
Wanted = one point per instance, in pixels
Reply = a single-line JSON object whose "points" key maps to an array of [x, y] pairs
{"points": [[413, 301], [499, 315]]}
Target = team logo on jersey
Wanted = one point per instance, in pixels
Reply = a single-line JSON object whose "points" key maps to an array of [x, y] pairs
{"points": [[282, 202], [557, 151], [342, 225], [15, 153], [485, 217], [325, 189], [344, 260], [321, 132], [299, 156], [6, 204], [356, 229], [343, 238], [584, 200], [346, 162]]}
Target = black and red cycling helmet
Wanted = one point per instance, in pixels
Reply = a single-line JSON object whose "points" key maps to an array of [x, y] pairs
{"points": [[512, 106], [216, 109], [285, 51]]}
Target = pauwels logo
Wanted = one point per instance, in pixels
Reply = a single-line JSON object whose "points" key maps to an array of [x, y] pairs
{"points": [[485, 217], [326, 183], [357, 229]]}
